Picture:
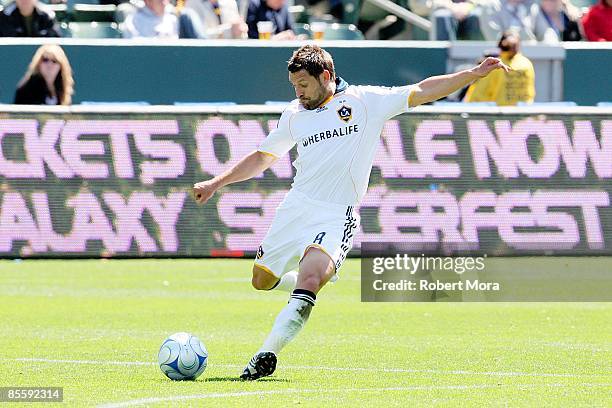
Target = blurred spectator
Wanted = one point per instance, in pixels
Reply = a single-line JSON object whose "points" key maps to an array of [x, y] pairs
{"points": [[561, 20], [516, 15], [459, 95], [275, 11], [452, 19], [48, 80], [508, 88], [24, 18], [598, 22], [220, 18], [319, 9], [159, 19]]}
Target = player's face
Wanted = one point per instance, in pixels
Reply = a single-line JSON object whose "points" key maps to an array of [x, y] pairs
{"points": [[311, 91]]}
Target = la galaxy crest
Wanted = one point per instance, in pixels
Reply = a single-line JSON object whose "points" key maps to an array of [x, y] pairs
{"points": [[345, 113]]}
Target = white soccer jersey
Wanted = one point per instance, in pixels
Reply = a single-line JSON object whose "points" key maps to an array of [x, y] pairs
{"points": [[336, 142]]}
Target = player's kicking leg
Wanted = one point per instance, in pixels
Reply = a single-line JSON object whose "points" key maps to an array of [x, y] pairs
{"points": [[264, 279], [316, 269]]}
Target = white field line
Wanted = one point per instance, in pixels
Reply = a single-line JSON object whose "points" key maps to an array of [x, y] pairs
{"points": [[154, 400], [327, 368]]}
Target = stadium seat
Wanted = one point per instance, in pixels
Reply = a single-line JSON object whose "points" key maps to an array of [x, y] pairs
{"points": [[64, 30], [583, 4], [124, 10], [72, 3], [300, 29], [342, 32], [299, 13], [379, 24], [60, 11], [93, 30], [93, 12], [371, 12], [351, 10]]}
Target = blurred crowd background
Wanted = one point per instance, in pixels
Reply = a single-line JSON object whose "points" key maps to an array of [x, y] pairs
{"points": [[508, 24], [546, 21]]}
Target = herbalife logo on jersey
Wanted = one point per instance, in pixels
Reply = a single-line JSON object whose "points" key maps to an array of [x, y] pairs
{"points": [[329, 134], [345, 113]]}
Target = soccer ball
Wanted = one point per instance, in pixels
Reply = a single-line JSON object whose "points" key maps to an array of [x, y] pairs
{"points": [[182, 357]]}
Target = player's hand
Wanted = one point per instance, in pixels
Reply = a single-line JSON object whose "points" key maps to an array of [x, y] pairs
{"points": [[203, 191], [488, 65]]}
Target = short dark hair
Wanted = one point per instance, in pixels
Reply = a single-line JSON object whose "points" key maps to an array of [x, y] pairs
{"points": [[313, 59], [506, 34]]}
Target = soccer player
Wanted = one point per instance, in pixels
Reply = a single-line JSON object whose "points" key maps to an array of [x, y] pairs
{"points": [[336, 127]]}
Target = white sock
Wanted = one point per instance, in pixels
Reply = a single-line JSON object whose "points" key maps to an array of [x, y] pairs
{"points": [[290, 320], [287, 282]]}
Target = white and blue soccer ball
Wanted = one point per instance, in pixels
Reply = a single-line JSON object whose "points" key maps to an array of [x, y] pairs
{"points": [[182, 357]]}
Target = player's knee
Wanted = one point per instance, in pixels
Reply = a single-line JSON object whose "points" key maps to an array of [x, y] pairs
{"points": [[315, 270], [312, 282]]}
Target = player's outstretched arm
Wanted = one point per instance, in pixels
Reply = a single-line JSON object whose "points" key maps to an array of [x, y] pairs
{"points": [[250, 166], [436, 87]]}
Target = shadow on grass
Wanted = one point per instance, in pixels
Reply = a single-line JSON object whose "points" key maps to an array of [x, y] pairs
{"points": [[236, 379]]}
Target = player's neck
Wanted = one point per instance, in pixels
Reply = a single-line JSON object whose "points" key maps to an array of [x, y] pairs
{"points": [[331, 91], [328, 98]]}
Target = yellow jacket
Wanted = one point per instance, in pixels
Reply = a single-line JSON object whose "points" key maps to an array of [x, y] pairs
{"points": [[505, 88]]}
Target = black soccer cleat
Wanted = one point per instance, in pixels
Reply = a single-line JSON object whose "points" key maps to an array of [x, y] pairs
{"points": [[261, 365]]}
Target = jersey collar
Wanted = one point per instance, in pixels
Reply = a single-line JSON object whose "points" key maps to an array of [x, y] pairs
{"points": [[341, 86]]}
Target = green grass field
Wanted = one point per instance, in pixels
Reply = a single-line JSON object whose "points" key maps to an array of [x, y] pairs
{"points": [[94, 328]]}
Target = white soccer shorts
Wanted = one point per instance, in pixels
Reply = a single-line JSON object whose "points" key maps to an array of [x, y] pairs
{"points": [[301, 223]]}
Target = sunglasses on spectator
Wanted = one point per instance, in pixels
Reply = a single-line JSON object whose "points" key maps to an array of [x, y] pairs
{"points": [[47, 59]]}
